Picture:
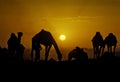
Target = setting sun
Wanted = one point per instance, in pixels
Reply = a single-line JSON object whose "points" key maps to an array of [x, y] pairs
{"points": [[62, 37]]}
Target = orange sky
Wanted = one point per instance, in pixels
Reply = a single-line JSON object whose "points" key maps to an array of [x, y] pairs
{"points": [[77, 19]]}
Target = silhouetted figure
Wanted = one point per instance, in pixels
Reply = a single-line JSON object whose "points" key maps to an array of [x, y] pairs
{"points": [[45, 38], [72, 55], [110, 41], [97, 42], [20, 48], [12, 44], [83, 58], [79, 55]]}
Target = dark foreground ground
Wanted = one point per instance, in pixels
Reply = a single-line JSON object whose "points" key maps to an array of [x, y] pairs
{"points": [[52, 68], [106, 59], [101, 61]]}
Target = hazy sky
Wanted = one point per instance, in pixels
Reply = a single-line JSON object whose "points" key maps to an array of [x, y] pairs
{"points": [[77, 19]]}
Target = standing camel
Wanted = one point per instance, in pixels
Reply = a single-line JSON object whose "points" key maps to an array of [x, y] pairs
{"points": [[111, 41], [97, 42]]}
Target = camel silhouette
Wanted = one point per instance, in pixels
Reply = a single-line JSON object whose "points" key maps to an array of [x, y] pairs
{"points": [[111, 41], [97, 42], [45, 38]]}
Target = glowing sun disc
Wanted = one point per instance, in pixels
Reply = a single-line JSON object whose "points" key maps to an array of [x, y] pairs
{"points": [[62, 37]]}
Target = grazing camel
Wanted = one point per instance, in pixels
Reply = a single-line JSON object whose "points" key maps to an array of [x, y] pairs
{"points": [[45, 38]]}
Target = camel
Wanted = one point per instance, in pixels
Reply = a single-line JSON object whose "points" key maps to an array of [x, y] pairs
{"points": [[97, 42], [45, 38], [110, 41]]}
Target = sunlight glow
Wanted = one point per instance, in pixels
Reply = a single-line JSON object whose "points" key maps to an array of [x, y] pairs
{"points": [[62, 37]]}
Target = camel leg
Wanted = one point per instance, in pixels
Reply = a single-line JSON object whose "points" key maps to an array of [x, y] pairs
{"points": [[32, 54], [46, 55], [94, 52], [108, 49], [47, 52], [37, 54], [103, 50], [114, 49], [100, 51], [111, 49], [97, 52], [103, 47]]}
